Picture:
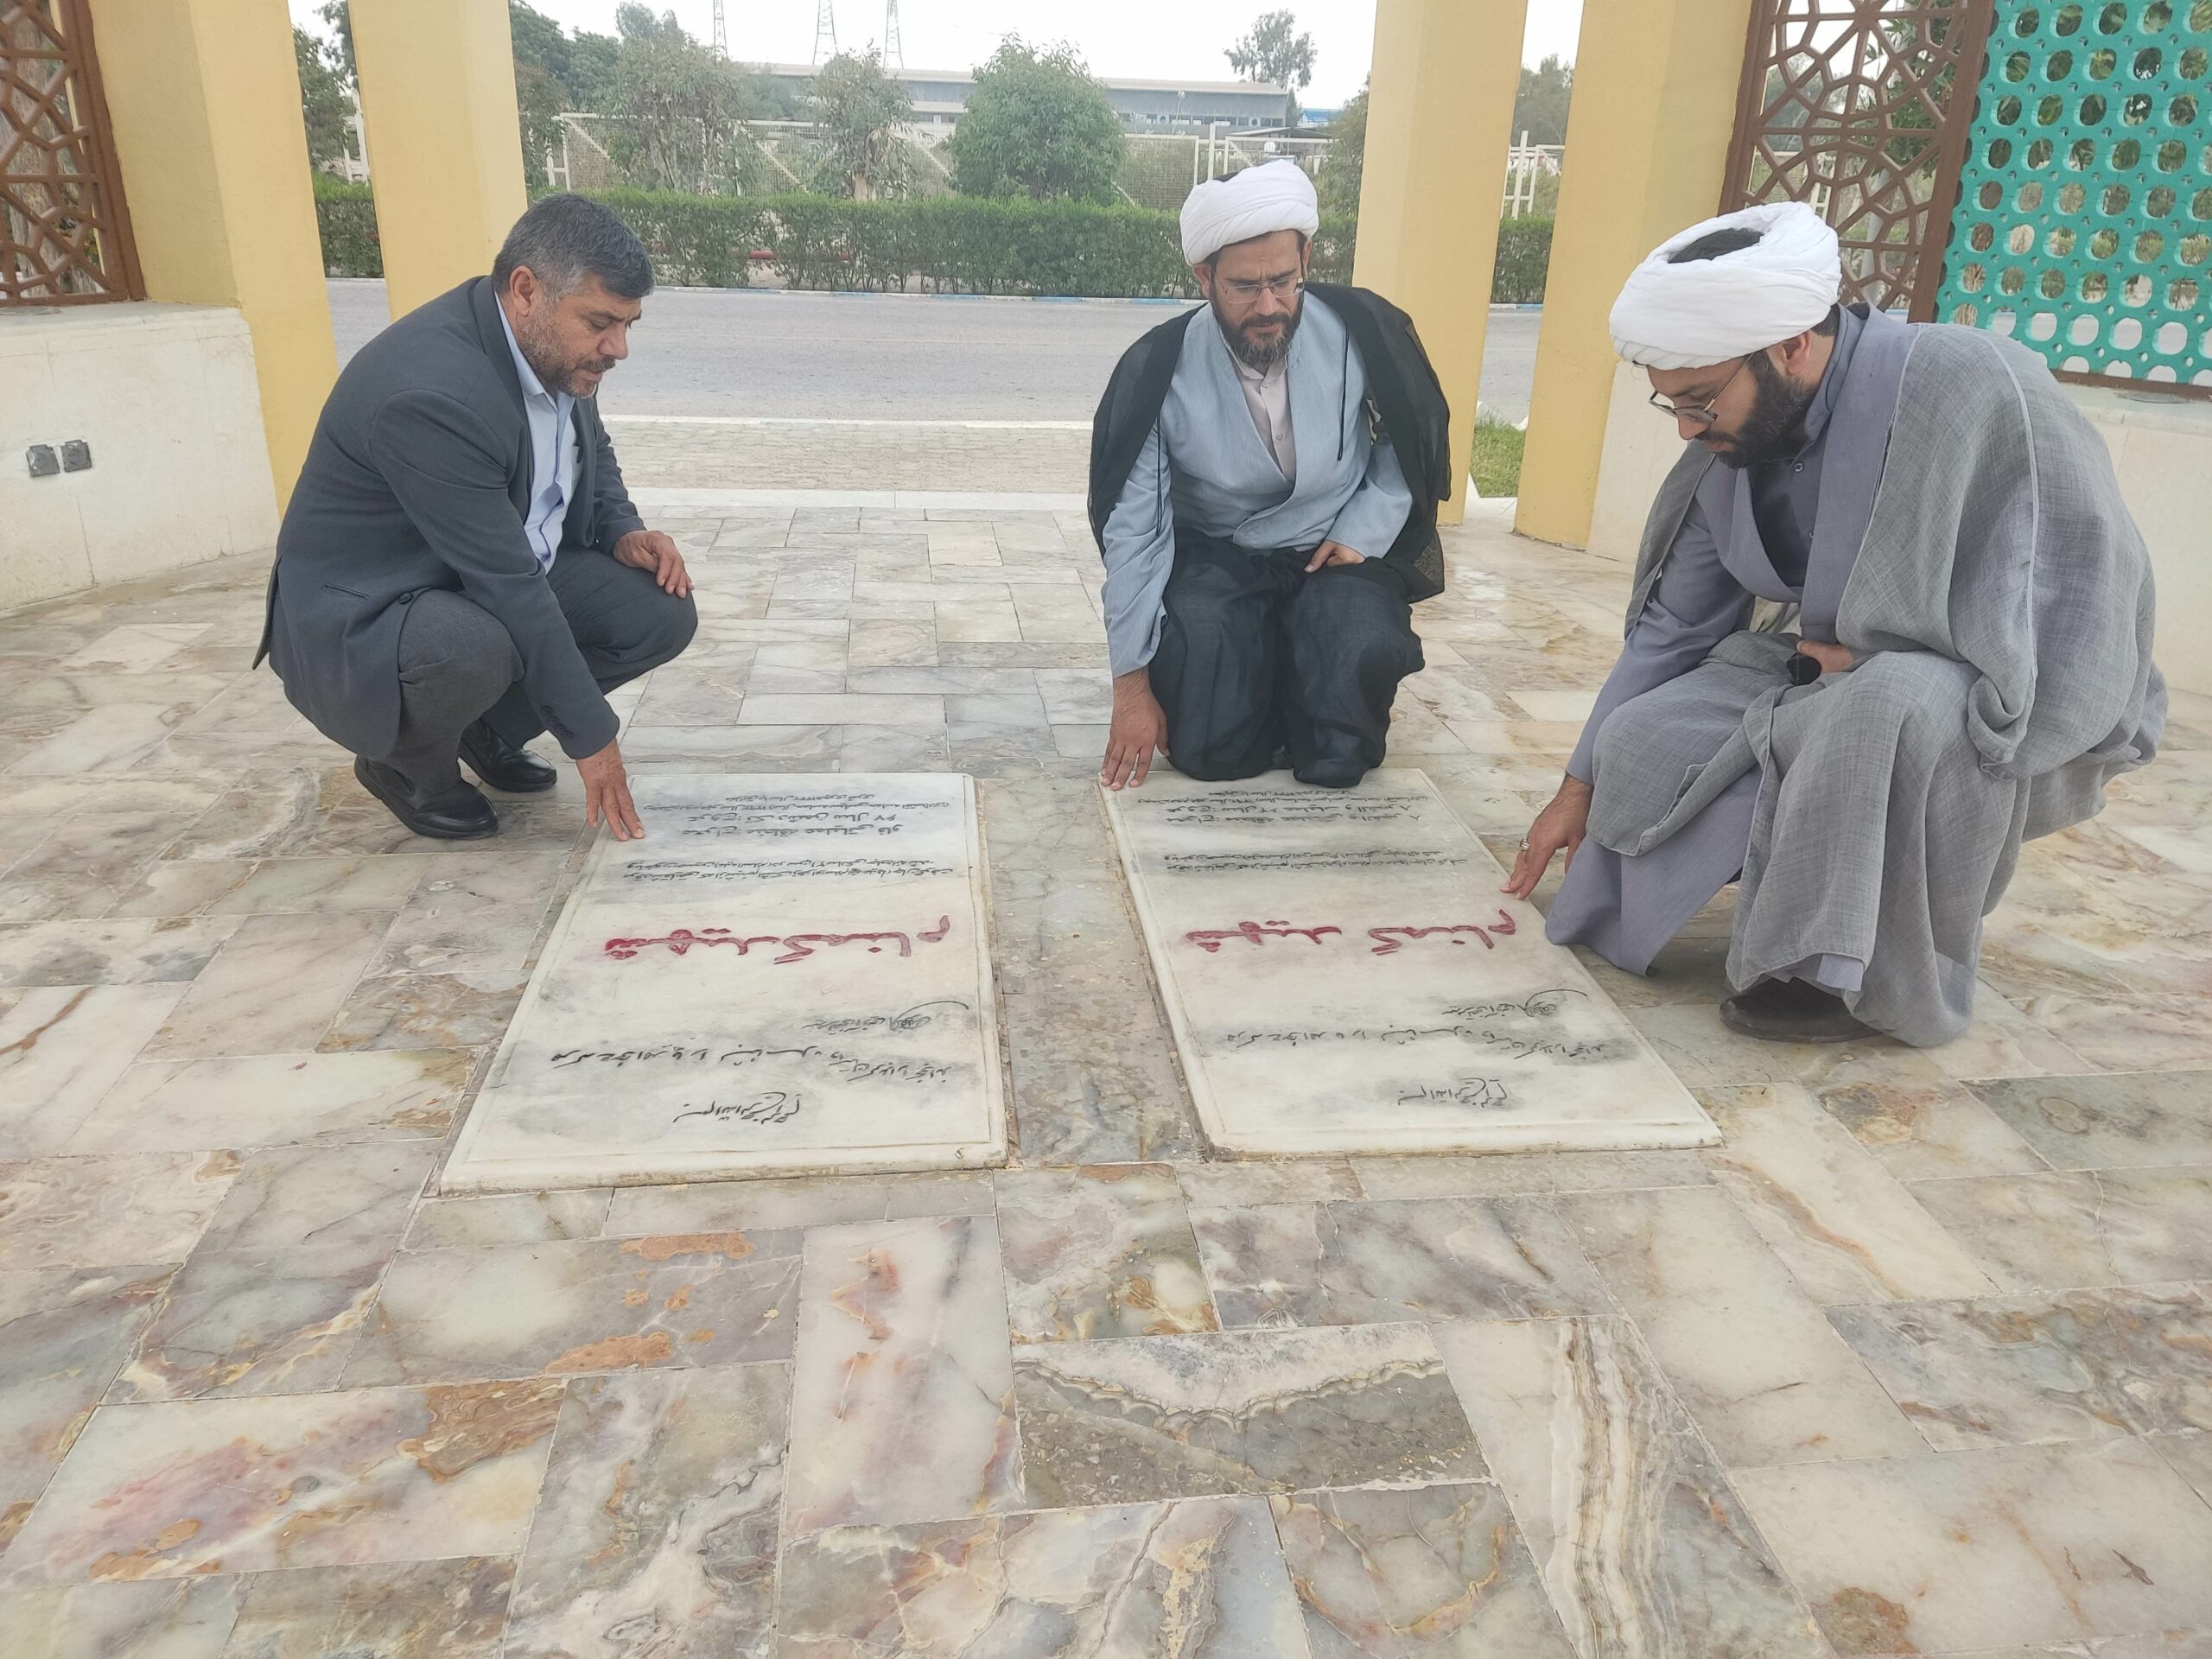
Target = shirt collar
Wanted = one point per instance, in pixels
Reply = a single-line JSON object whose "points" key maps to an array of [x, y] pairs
{"points": [[1849, 322], [531, 386]]}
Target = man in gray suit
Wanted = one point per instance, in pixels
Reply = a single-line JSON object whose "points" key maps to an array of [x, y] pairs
{"points": [[460, 568]]}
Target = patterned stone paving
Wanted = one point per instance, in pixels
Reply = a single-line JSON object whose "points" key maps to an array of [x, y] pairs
{"points": [[1919, 1362]]}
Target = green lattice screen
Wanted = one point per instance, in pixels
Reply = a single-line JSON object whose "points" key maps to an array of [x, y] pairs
{"points": [[2084, 222]]}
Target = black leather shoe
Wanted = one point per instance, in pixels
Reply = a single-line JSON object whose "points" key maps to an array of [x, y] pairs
{"points": [[1790, 1011], [456, 814], [501, 765]]}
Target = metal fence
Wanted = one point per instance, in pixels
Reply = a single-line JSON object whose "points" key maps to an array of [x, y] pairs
{"points": [[64, 237]]}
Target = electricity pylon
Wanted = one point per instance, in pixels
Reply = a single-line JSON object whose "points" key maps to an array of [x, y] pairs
{"points": [[825, 28], [893, 52]]}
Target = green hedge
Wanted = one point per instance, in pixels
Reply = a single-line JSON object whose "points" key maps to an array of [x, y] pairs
{"points": [[348, 216], [952, 245]]}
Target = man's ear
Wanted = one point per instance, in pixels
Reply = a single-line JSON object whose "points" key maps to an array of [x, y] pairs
{"points": [[523, 287], [1204, 274]]}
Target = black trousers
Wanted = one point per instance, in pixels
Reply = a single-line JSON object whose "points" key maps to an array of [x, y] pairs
{"points": [[457, 663], [1256, 657]]}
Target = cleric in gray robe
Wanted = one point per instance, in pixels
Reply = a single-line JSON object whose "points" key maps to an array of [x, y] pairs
{"points": [[1891, 616], [1264, 480]]}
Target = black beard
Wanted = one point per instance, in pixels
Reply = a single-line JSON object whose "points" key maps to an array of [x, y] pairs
{"points": [[1257, 355], [1775, 426], [553, 375]]}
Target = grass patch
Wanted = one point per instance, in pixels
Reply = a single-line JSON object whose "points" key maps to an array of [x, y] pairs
{"points": [[1498, 458]]}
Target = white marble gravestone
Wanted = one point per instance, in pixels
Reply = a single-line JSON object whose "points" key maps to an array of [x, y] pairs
{"points": [[1343, 975], [790, 973]]}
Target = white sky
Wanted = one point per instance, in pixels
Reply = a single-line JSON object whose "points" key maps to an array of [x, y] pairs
{"points": [[1157, 39]]}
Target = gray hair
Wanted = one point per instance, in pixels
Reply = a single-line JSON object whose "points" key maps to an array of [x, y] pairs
{"points": [[562, 239]]}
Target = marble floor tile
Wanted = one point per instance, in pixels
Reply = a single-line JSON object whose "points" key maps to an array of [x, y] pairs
{"points": [[508, 1218], [1940, 1555], [178, 886], [801, 1201], [581, 1304], [847, 709], [1633, 1529], [134, 648], [1923, 1124], [176, 1619], [2081, 1229], [478, 918], [1847, 1229], [172, 1490], [1249, 1411], [1367, 1262], [1509, 1175], [1105, 1250], [2016, 1370], [1429, 1570], [402, 1610], [1198, 1579], [93, 1212], [142, 951], [2190, 1456], [276, 986], [1230, 1183], [657, 1532], [2109, 1121], [62, 1048], [320, 884], [63, 1334], [253, 1322], [279, 1100], [426, 1011], [348, 1194], [1762, 1374], [1085, 1093], [112, 738], [902, 1387]]}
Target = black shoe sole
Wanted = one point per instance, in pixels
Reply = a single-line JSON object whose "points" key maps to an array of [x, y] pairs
{"points": [[425, 827], [1748, 1026]]}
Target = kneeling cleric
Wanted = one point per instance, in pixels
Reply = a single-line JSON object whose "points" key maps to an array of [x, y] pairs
{"points": [[1264, 477], [1891, 618]]}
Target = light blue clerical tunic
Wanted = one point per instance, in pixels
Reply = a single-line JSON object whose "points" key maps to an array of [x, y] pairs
{"points": [[553, 454], [1205, 466]]}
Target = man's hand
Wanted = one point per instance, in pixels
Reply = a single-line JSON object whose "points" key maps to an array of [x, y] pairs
{"points": [[655, 551], [1333, 553], [1140, 728], [1563, 823], [607, 794], [1832, 659]]}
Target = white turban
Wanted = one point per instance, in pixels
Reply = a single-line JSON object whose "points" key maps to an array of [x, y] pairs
{"points": [[1706, 311], [1260, 200]]}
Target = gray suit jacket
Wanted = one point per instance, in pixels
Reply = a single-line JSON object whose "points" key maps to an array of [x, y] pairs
{"points": [[418, 478]]}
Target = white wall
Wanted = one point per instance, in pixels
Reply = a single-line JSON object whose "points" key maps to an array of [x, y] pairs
{"points": [[2162, 448], [166, 398]]}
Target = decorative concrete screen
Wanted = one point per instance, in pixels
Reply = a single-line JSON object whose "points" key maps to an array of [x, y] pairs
{"points": [[788, 974], [2084, 223]]}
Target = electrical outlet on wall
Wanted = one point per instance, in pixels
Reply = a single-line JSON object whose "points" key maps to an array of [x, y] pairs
{"points": [[76, 456], [42, 460]]}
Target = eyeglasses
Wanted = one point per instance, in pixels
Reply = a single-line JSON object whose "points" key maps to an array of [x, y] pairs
{"points": [[1698, 417], [1249, 293]]}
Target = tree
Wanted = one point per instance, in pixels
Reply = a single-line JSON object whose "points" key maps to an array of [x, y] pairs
{"points": [[1036, 125], [333, 13], [323, 103], [544, 62], [1273, 51], [590, 78], [677, 109], [860, 110], [1344, 163], [1540, 108]]}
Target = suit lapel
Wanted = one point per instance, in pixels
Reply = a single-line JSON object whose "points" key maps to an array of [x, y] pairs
{"points": [[492, 337]]}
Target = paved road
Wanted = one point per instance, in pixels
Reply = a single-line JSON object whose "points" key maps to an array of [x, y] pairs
{"points": [[797, 356]]}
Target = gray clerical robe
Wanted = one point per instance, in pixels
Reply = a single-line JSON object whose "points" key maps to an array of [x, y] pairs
{"points": [[1206, 467], [1970, 545]]}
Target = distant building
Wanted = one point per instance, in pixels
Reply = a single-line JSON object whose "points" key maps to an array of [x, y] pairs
{"points": [[940, 97]]}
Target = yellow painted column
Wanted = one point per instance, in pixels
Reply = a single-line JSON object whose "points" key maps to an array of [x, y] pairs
{"points": [[437, 83], [1440, 119], [204, 95], [1647, 140]]}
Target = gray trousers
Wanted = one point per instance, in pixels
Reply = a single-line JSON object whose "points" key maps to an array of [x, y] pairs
{"points": [[457, 663]]}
